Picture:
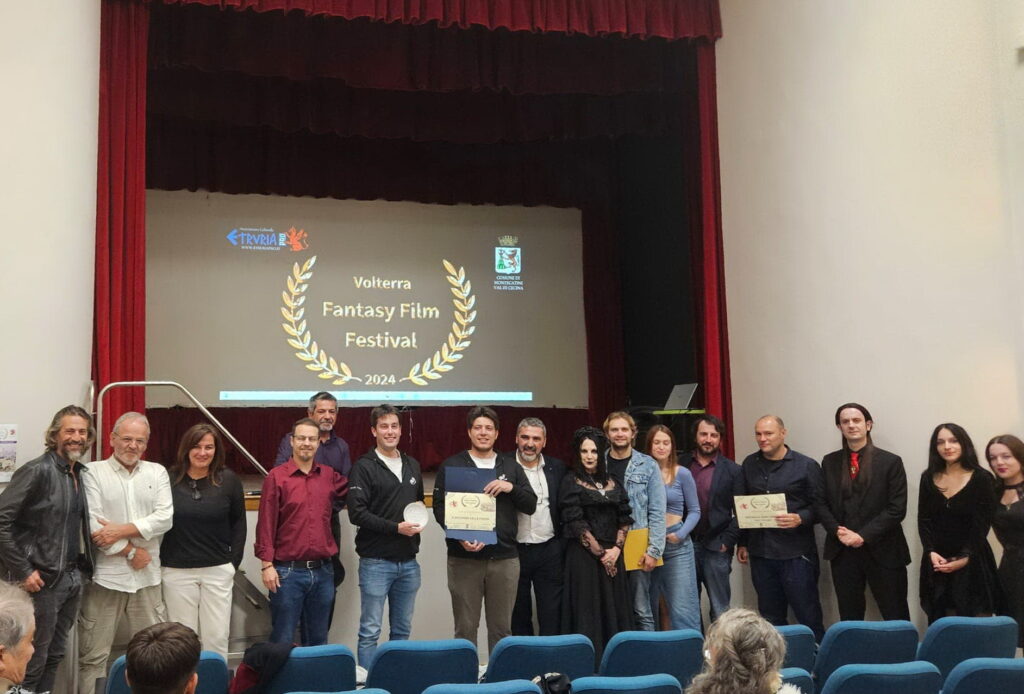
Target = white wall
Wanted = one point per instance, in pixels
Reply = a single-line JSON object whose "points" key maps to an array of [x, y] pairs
{"points": [[49, 64], [871, 166]]}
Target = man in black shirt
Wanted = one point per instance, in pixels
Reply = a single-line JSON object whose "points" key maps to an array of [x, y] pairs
{"points": [[784, 561], [383, 483]]}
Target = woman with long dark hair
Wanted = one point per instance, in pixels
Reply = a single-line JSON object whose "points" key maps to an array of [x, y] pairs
{"points": [[676, 580], [203, 548], [954, 513], [595, 512], [1005, 455]]}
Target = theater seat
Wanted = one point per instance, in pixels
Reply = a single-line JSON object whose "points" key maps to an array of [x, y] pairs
{"points": [[916, 677], [644, 684], [952, 640], [327, 668], [801, 648], [630, 653], [525, 657], [506, 687], [409, 667], [986, 676], [212, 671], [856, 642]]}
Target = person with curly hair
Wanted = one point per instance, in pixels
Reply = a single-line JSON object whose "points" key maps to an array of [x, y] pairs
{"points": [[744, 654]]}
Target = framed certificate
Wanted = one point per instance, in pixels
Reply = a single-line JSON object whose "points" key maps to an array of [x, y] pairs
{"points": [[469, 514], [759, 510]]}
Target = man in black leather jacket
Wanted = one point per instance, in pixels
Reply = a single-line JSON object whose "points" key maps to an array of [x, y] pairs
{"points": [[42, 527]]}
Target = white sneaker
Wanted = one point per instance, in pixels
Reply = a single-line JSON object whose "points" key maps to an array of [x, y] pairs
{"points": [[481, 672], [360, 674]]}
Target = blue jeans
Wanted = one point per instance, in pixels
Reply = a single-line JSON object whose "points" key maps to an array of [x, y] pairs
{"points": [[784, 583], [305, 594], [395, 581], [677, 581], [713, 569], [56, 607], [640, 589]]}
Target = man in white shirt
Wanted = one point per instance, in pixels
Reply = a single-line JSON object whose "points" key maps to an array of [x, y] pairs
{"points": [[541, 548], [130, 509]]}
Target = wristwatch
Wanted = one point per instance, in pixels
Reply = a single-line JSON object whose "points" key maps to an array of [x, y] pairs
{"points": [[131, 553]]}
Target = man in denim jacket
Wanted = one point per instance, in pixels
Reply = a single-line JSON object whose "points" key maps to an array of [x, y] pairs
{"points": [[640, 477]]}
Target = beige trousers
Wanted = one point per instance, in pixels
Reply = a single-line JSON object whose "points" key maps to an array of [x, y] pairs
{"points": [[103, 610], [201, 599]]}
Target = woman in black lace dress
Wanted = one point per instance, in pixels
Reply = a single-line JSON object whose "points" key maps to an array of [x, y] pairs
{"points": [[954, 513], [595, 510], [1005, 454]]}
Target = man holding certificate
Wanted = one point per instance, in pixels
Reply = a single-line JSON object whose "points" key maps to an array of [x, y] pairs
{"points": [[477, 494], [776, 516]]}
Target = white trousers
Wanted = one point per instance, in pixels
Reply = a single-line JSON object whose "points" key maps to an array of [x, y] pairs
{"points": [[201, 599]]}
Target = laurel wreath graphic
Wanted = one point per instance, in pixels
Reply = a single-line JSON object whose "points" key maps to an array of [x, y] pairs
{"points": [[301, 338], [443, 360], [431, 369]]}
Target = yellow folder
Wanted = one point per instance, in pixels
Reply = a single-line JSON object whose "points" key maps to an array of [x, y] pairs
{"points": [[636, 548]]}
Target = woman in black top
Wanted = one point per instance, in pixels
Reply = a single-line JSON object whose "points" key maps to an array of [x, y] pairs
{"points": [[954, 512], [203, 548], [1005, 455], [595, 511]]}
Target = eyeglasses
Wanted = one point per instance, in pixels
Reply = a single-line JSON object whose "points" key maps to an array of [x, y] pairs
{"points": [[194, 486]]}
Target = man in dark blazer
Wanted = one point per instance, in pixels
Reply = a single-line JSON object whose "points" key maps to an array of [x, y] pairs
{"points": [[864, 502], [718, 480], [541, 546]]}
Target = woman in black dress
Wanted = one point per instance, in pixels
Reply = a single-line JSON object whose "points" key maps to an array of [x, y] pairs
{"points": [[954, 512], [595, 510], [1004, 454]]}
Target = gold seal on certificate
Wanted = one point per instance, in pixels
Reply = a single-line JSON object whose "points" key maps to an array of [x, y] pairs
{"points": [[759, 510], [466, 511]]}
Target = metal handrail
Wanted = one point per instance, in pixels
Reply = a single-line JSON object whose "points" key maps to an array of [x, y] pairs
{"points": [[209, 415]]}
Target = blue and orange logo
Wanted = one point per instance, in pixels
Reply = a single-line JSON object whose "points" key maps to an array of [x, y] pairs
{"points": [[267, 239]]}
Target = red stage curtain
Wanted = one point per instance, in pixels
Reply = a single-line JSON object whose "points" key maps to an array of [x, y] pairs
{"points": [[373, 55], [668, 19], [325, 106], [715, 334], [119, 327]]}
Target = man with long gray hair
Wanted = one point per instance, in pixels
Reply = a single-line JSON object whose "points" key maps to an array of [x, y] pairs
{"points": [[17, 629], [42, 532], [130, 509]]}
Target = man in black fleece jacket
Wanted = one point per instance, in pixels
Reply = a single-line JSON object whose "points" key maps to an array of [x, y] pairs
{"points": [[478, 572], [382, 483]]}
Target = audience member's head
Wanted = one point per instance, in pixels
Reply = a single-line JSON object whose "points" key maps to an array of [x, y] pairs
{"points": [[162, 659], [17, 629], [744, 654]]}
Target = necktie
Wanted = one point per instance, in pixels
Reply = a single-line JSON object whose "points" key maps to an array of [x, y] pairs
{"points": [[854, 464]]}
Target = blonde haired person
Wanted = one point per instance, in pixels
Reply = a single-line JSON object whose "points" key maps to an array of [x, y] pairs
{"points": [[744, 654]]}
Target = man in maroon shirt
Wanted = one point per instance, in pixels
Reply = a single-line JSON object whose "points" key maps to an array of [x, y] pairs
{"points": [[294, 540]]}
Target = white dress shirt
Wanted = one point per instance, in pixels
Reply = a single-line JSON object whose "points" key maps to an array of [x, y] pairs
{"points": [[536, 527], [141, 497]]}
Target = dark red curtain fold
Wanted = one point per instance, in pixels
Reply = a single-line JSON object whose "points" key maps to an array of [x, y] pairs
{"points": [[329, 106], [715, 335], [668, 19], [210, 156], [372, 55], [119, 327]]}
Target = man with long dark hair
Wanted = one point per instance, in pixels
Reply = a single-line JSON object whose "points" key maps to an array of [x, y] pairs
{"points": [[42, 526], [864, 503]]}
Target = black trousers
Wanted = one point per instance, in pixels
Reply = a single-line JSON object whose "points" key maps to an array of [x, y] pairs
{"points": [[540, 566], [853, 570]]}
